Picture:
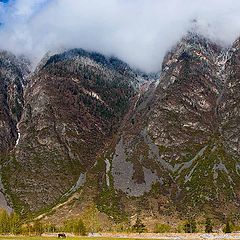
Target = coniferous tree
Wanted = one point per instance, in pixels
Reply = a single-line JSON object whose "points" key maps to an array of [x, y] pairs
{"points": [[14, 224], [9, 223], [139, 227], [75, 226], [227, 228], [79, 228], [208, 226], [51, 228], [38, 228], [4, 222], [190, 226]]}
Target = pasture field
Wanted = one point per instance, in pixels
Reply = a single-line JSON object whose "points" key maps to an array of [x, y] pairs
{"points": [[53, 238], [68, 238]]}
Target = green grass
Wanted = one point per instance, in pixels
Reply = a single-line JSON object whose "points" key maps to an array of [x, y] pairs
{"points": [[71, 238]]}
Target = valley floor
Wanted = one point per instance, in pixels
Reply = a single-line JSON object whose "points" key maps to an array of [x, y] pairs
{"points": [[146, 236]]}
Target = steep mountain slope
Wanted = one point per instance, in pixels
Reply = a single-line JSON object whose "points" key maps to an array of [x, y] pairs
{"points": [[13, 72], [123, 141], [73, 104], [229, 102], [180, 136], [171, 155]]}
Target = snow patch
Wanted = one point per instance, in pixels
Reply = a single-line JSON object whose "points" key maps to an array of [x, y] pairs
{"points": [[18, 139], [238, 168], [108, 167], [19, 135], [93, 94]]}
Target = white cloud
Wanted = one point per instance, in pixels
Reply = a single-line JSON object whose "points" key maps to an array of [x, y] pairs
{"points": [[137, 31], [25, 8]]}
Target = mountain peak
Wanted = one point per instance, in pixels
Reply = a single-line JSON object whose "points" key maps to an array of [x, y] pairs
{"points": [[88, 124]]}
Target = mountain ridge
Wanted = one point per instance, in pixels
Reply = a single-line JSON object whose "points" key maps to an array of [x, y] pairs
{"points": [[92, 125]]}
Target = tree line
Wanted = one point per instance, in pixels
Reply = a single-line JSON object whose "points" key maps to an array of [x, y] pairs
{"points": [[190, 226], [13, 224]]}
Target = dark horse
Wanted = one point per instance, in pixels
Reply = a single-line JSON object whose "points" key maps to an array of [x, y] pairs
{"points": [[61, 235]]}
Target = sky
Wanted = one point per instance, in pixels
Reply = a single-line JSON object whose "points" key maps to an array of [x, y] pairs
{"points": [[139, 32]]}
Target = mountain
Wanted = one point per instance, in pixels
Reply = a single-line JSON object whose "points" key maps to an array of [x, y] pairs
{"points": [[174, 140], [74, 102], [89, 130], [13, 72]]}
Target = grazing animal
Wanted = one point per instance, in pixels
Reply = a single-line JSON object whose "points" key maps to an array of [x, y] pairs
{"points": [[61, 235]]}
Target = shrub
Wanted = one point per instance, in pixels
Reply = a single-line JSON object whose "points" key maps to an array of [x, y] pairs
{"points": [[51, 228], [208, 226], [180, 228], [139, 227], [75, 226], [162, 228], [190, 226], [236, 228], [37, 228], [9, 223], [228, 228]]}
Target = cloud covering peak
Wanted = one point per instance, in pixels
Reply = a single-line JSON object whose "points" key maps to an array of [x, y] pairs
{"points": [[139, 32]]}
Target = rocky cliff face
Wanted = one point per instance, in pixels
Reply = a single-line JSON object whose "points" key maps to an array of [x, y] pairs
{"points": [[90, 122], [229, 102], [13, 73], [183, 134], [74, 102], [12, 78]]}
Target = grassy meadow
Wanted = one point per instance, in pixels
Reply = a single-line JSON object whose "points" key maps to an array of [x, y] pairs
{"points": [[69, 238]]}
